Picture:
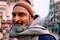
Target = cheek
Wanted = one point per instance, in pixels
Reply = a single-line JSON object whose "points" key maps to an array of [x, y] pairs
{"points": [[25, 20]]}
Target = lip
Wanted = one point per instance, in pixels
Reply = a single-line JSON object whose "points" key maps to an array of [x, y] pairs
{"points": [[18, 25]]}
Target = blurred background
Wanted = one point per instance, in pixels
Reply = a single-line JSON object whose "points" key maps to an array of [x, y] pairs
{"points": [[48, 10]]}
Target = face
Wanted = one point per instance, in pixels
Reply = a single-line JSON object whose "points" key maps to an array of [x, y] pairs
{"points": [[21, 16]]}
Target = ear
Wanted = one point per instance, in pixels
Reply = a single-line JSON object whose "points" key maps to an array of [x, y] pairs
{"points": [[31, 19]]}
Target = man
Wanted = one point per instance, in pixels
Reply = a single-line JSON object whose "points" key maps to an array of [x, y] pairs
{"points": [[25, 26]]}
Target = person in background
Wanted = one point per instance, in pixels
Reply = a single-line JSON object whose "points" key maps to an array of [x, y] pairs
{"points": [[6, 26]]}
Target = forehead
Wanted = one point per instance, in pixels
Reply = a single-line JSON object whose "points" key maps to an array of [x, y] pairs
{"points": [[20, 9]]}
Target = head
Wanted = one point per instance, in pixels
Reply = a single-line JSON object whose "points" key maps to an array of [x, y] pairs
{"points": [[26, 1], [22, 14]]}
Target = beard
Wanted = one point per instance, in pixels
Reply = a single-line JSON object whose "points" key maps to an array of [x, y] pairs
{"points": [[20, 28]]}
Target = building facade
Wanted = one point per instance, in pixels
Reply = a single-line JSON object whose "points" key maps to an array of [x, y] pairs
{"points": [[4, 10], [53, 19], [49, 20]]}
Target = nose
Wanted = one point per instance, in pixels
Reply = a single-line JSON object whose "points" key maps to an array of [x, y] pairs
{"points": [[17, 18]]}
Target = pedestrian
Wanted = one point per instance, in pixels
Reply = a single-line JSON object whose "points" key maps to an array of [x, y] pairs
{"points": [[25, 26]]}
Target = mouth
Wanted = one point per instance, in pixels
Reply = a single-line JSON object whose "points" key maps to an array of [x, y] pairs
{"points": [[18, 24]]}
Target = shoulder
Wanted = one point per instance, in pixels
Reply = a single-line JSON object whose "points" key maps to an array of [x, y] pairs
{"points": [[46, 37]]}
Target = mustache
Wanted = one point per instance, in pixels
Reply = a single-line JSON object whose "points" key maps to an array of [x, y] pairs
{"points": [[18, 22]]}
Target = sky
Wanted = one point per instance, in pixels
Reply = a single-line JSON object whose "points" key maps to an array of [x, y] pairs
{"points": [[41, 7]]}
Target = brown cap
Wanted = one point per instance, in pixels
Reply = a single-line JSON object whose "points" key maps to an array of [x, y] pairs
{"points": [[26, 1], [26, 5]]}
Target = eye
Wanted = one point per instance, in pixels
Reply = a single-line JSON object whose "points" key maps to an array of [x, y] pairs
{"points": [[13, 14], [21, 14]]}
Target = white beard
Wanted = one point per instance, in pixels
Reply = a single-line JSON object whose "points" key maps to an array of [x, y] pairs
{"points": [[15, 30], [19, 29]]}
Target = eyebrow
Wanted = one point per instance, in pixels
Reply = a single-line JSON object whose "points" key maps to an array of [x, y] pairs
{"points": [[20, 13]]}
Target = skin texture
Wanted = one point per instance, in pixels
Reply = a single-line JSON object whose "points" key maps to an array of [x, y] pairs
{"points": [[21, 16]]}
